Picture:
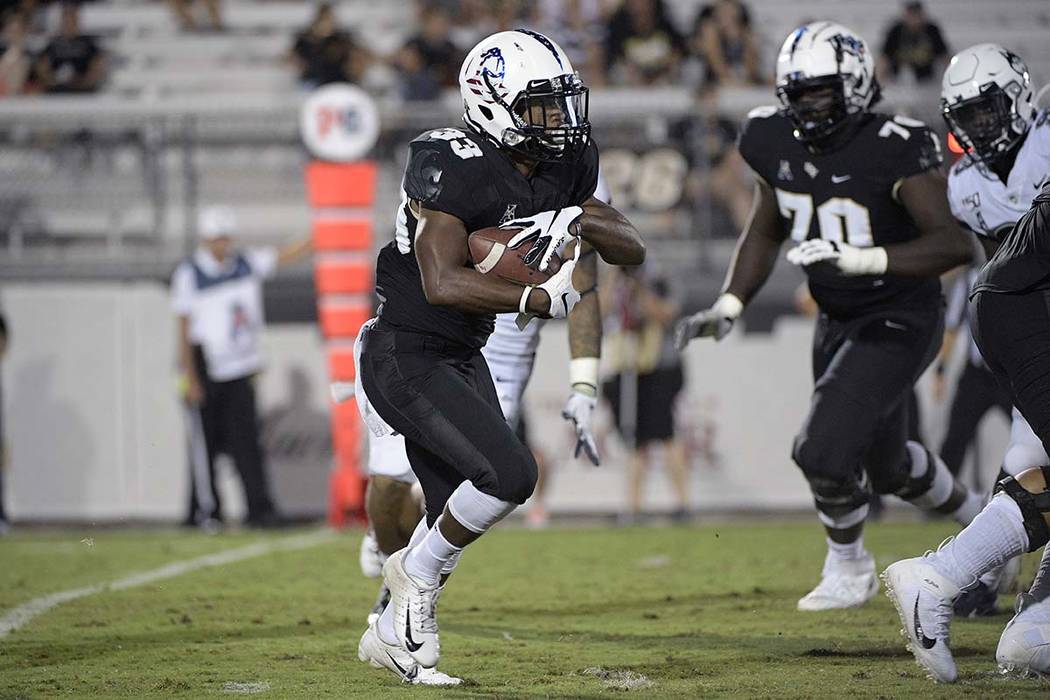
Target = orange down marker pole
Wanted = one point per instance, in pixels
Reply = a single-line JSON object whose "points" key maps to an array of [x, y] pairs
{"points": [[341, 196]]}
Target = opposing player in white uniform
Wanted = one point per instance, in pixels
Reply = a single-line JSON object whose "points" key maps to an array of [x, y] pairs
{"points": [[393, 499], [989, 189], [986, 99]]}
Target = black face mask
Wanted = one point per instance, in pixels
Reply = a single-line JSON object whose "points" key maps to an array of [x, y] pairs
{"points": [[818, 110], [982, 124], [552, 118]]}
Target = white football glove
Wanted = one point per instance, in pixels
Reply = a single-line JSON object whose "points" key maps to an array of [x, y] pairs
{"points": [[559, 288], [715, 322], [850, 260], [579, 409], [549, 228]]}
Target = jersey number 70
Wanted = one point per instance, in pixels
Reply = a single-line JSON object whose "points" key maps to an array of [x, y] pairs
{"points": [[840, 219]]}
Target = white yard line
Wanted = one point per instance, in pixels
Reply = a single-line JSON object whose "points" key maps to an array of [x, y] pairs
{"points": [[20, 616]]}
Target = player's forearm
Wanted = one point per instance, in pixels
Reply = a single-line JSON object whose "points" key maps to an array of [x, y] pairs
{"points": [[185, 349], [294, 252], [471, 292], [753, 261], [612, 235], [585, 327], [930, 255]]}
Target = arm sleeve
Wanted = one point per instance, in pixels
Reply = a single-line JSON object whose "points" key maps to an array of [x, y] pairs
{"points": [[182, 290], [263, 261]]}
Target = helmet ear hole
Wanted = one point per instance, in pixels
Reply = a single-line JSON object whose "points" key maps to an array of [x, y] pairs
{"points": [[485, 112]]}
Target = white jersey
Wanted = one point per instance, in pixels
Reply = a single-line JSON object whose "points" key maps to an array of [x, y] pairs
{"points": [[981, 201]]}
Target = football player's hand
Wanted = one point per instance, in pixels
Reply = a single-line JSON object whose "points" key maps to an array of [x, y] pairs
{"points": [[850, 260], [579, 409], [715, 322], [550, 230], [562, 295]]}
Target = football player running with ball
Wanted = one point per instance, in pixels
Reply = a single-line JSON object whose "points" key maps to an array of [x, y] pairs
{"points": [[860, 195], [526, 155], [987, 100]]}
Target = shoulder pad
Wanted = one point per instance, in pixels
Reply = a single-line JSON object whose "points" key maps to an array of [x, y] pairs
{"points": [[763, 112]]}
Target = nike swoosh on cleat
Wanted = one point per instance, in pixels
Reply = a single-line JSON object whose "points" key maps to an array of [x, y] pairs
{"points": [[409, 642], [838, 179], [926, 642], [404, 674]]}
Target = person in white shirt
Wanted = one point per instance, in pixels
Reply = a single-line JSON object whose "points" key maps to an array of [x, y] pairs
{"points": [[217, 300]]}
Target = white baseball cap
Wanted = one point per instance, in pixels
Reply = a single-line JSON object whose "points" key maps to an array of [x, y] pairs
{"points": [[215, 222]]}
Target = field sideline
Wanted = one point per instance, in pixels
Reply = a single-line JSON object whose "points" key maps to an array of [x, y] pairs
{"points": [[687, 612]]}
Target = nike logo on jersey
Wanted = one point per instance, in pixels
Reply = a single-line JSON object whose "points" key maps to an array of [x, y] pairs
{"points": [[897, 326], [926, 642], [838, 179], [410, 643]]}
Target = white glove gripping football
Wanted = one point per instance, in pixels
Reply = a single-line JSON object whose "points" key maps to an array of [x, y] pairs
{"points": [[549, 228], [715, 322], [559, 288], [579, 409], [850, 260]]}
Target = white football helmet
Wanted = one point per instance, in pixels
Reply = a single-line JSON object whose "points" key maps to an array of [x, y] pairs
{"points": [[825, 80], [520, 92], [986, 98]]}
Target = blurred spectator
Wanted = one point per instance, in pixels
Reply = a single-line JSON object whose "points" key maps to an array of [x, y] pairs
{"points": [[184, 12], [718, 170], [4, 526], [16, 62], [649, 370], [72, 62], [725, 42], [577, 26], [642, 47], [913, 45], [324, 53], [429, 61]]}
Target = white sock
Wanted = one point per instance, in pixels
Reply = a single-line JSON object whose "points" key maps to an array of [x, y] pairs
{"points": [[1040, 589], [385, 626], [995, 536], [851, 550], [426, 560]]}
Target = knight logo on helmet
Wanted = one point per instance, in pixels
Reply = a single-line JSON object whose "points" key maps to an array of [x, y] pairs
{"points": [[986, 99], [521, 93], [825, 82]]}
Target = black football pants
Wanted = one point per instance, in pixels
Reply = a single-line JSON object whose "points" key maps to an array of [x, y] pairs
{"points": [[1013, 334], [440, 396], [864, 369]]}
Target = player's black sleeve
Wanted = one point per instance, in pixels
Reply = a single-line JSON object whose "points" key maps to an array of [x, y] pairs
{"points": [[440, 180], [905, 157], [757, 140], [586, 180]]}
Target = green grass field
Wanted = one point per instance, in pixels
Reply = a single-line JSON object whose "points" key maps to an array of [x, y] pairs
{"points": [[699, 612]]}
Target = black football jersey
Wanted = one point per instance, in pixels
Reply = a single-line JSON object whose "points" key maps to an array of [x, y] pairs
{"points": [[1022, 261], [462, 174], [847, 195]]}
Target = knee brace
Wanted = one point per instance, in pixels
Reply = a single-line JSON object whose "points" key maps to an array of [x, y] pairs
{"points": [[921, 484], [475, 510], [1033, 506], [841, 495]]}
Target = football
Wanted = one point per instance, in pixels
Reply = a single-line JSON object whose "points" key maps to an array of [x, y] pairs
{"points": [[491, 256]]}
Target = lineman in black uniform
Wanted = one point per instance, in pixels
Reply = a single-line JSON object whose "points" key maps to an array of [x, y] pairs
{"points": [[861, 195], [526, 160]]}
